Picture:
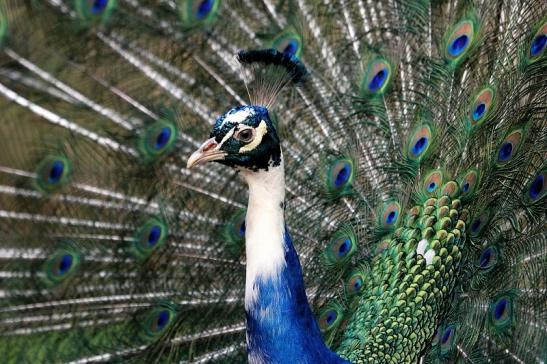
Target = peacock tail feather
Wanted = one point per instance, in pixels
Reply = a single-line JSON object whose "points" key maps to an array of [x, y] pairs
{"points": [[415, 152]]}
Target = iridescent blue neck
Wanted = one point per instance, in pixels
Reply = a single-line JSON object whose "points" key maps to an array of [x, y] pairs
{"points": [[280, 324]]}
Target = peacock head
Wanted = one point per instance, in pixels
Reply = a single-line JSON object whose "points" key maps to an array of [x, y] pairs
{"points": [[244, 137]]}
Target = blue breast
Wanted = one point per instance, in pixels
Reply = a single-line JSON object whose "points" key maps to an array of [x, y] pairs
{"points": [[289, 332]]}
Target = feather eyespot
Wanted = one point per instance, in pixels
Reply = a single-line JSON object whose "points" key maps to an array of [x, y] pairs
{"points": [[488, 258], [355, 283], [158, 320], [149, 237], [479, 223], [536, 188], [97, 6], [432, 182], [509, 147], [330, 317], [56, 172], [475, 225], [479, 110], [162, 320], [288, 42], [377, 77], [64, 264], [537, 44], [341, 247], [458, 45], [501, 312], [468, 183], [419, 142], [459, 40], [481, 107], [162, 138], [291, 48], [390, 215], [505, 152], [154, 235], [340, 176], [203, 8], [158, 139], [92, 11], [52, 173], [61, 265], [420, 145], [197, 12], [501, 309], [447, 339]]}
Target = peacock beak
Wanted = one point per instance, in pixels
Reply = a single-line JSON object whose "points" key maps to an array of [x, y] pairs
{"points": [[207, 152]]}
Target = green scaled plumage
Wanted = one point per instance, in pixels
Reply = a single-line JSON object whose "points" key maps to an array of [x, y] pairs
{"points": [[404, 310], [415, 164]]}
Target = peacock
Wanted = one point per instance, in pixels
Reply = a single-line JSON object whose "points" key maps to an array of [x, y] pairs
{"points": [[273, 181]]}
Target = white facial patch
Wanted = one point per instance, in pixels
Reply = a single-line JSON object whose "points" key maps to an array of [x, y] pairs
{"points": [[261, 130], [238, 116], [226, 137]]}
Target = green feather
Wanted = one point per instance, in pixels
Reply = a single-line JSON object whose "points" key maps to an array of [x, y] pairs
{"points": [[61, 265], [341, 247], [157, 139], [460, 40], [149, 237], [52, 173], [339, 174], [378, 76], [157, 321], [288, 40]]}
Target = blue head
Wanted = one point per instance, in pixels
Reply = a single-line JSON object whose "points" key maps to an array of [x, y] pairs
{"points": [[243, 137]]}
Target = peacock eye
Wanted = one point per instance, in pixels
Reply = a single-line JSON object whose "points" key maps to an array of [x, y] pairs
{"points": [[245, 135]]}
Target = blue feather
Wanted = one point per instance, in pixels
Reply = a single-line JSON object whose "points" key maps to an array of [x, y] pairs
{"points": [[289, 332]]}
